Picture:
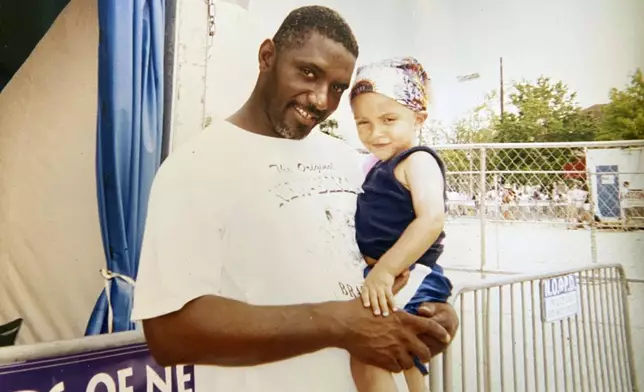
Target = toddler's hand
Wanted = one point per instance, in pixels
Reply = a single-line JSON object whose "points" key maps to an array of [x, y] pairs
{"points": [[377, 292]]}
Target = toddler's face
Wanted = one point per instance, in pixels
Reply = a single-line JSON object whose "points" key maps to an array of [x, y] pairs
{"points": [[385, 127]]}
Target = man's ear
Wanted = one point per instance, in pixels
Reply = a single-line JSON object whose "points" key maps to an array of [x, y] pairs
{"points": [[267, 54]]}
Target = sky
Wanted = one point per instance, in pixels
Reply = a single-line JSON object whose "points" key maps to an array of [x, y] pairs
{"points": [[591, 45]]}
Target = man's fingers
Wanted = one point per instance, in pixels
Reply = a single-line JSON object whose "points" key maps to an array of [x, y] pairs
{"points": [[382, 299], [373, 295], [418, 349], [437, 331], [427, 326], [427, 309], [442, 313], [406, 361], [394, 366]]}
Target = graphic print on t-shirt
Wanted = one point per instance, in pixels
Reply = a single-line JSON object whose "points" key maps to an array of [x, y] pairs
{"points": [[316, 179], [341, 226], [337, 229]]}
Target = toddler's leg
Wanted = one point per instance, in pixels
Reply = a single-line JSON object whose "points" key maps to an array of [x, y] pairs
{"points": [[416, 382], [371, 379]]}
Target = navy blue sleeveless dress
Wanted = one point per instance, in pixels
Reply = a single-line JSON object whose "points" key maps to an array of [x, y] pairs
{"points": [[384, 211]]}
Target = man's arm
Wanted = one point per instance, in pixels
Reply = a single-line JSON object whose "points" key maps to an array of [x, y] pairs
{"points": [[218, 331]]}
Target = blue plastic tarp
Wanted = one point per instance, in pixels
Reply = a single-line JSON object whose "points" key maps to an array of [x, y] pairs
{"points": [[128, 148]]}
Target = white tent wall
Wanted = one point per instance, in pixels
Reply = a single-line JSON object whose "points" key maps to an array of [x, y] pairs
{"points": [[189, 77], [50, 242]]}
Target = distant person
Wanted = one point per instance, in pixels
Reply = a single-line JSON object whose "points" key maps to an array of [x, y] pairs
{"points": [[576, 200], [401, 212], [624, 200], [625, 188], [508, 197], [249, 267]]}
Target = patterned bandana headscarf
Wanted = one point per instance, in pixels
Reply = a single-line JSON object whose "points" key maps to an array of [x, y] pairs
{"points": [[402, 79]]}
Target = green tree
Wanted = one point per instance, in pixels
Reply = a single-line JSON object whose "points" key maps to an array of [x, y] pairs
{"points": [[433, 133], [475, 127], [544, 111], [623, 116], [478, 126], [330, 127]]}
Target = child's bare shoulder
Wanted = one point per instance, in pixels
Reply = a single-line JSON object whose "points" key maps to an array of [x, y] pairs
{"points": [[419, 160]]}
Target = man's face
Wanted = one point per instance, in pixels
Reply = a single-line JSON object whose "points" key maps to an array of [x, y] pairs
{"points": [[303, 86]]}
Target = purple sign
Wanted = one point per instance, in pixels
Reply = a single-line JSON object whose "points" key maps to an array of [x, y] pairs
{"points": [[121, 369]]}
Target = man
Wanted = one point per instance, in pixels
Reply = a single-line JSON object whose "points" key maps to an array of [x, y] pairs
{"points": [[249, 256]]}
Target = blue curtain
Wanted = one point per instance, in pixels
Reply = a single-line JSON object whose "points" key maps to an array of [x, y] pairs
{"points": [[128, 148]]}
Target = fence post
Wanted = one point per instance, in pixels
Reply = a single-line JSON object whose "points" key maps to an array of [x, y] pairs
{"points": [[482, 207], [591, 200], [624, 293]]}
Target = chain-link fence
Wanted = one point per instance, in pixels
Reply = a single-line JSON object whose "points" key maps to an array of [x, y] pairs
{"points": [[586, 188]]}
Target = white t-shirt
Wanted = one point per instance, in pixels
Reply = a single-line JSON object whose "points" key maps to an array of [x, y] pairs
{"points": [[262, 220]]}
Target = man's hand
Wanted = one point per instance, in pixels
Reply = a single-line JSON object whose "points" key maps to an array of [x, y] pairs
{"points": [[445, 316], [391, 342]]}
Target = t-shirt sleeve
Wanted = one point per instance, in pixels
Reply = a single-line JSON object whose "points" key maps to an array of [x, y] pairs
{"points": [[368, 163], [181, 253]]}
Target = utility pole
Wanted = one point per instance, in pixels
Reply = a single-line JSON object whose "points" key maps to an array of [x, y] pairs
{"points": [[470, 153], [502, 93]]}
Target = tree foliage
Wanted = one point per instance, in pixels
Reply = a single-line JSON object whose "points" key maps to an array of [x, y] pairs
{"points": [[547, 111], [433, 133], [544, 111], [623, 117], [478, 126]]}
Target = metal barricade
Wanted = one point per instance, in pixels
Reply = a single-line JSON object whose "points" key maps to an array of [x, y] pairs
{"points": [[511, 338]]}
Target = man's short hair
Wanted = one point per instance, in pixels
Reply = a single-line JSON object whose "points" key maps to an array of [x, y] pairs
{"points": [[303, 21]]}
